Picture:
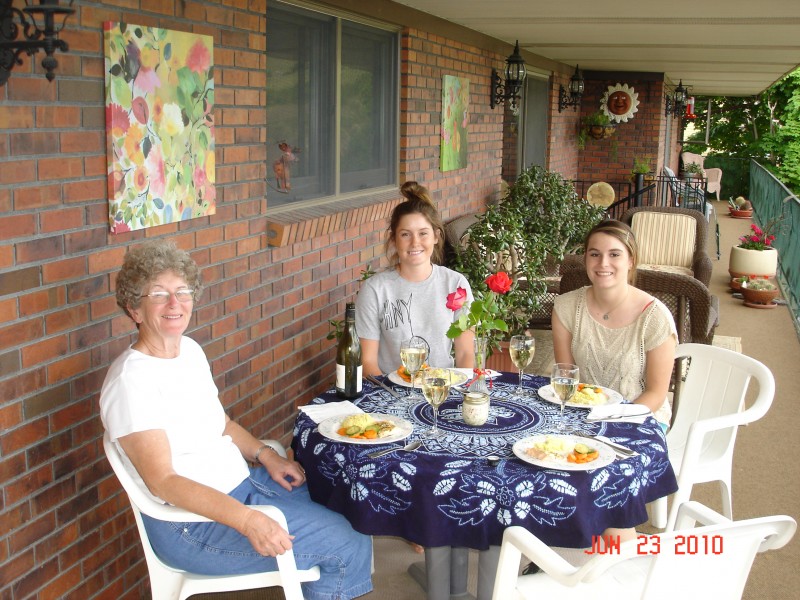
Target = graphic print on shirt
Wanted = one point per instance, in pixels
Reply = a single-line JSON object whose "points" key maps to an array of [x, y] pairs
{"points": [[396, 313]]}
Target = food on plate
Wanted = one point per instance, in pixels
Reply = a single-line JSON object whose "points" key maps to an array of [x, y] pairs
{"points": [[589, 395], [582, 453], [558, 449], [363, 427], [405, 375]]}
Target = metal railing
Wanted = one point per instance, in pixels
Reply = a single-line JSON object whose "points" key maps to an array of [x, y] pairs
{"points": [[772, 200]]}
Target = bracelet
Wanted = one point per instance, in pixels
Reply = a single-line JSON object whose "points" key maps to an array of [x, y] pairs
{"points": [[258, 452]]}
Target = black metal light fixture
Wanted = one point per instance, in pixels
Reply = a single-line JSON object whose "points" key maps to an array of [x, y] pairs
{"points": [[36, 35], [573, 96], [675, 103], [515, 75]]}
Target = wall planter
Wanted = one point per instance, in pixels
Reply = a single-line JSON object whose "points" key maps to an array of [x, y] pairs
{"points": [[763, 263], [599, 132]]}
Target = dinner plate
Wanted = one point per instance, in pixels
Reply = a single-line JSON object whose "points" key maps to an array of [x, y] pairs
{"points": [[547, 393], [459, 376], [402, 429], [607, 455]]}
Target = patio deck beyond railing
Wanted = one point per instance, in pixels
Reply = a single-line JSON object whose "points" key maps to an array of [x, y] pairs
{"points": [[773, 200]]}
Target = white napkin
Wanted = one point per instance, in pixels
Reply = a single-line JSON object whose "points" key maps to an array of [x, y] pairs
{"points": [[632, 412], [490, 374], [319, 412]]}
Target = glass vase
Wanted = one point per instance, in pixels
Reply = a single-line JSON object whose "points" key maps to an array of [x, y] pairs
{"points": [[479, 381]]}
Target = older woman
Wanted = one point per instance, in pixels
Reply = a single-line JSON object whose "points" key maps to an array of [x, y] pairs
{"points": [[410, 297], [161, 407]]}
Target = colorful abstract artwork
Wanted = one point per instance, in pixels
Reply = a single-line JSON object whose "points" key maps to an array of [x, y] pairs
{"points": [[455, 119], [159, 126]]}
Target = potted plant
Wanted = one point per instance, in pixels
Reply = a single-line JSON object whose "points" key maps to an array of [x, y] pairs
{"points": [[755, 254], [759, 292], [596, 125], [693, 170], [641, 166], [740, 208], [525, 235]]}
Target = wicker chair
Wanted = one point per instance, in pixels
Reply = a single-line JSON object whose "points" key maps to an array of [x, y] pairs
{"points": [[658, 227]]}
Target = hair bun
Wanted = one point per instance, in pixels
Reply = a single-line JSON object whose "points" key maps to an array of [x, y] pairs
{"points": [[412, 190]]}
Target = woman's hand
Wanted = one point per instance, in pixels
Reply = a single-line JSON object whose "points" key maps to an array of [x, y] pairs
{"points": [[265, 534], [286, 473]]}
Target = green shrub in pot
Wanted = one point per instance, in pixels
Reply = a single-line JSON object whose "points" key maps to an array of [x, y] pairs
{"points": [[526, 234]]}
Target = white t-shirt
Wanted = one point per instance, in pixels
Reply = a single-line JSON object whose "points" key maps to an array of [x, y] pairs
{"points": [[391, 309], [178, 395]]}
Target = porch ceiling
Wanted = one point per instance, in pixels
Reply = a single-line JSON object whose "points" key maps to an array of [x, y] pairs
{"points": [[718, 47]]}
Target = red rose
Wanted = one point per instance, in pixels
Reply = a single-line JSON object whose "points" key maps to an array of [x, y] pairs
{"points": [[499, 283], [456, 299]]}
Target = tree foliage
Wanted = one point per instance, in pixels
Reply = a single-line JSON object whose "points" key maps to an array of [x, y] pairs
{"points": [[765, 127]]}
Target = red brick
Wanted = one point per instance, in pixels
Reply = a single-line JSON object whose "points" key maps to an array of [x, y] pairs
{"points": [[58, 116], [82, 141], [63, 167], [67, 318], [17, 225], [16, 117], [64, 269], [39, 196], [44, 351], [61, 219], [19, 333], [68, 367]]}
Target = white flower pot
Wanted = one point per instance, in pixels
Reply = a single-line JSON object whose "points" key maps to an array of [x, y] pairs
{"points": [[762, 263]]}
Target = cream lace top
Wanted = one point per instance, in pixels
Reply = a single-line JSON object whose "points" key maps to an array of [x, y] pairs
{"points": [[614, 358]]}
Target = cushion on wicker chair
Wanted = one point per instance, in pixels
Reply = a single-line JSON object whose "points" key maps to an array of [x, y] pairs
{"points": [[666, 269], [652, 229]]}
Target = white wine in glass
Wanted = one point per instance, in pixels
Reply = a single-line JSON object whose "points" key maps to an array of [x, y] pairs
{"points": [[521, 349], [564, 379], [413, 354], [436, 388]]}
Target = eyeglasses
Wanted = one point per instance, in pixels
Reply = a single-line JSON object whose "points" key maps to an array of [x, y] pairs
{"points": [[162, 297]]}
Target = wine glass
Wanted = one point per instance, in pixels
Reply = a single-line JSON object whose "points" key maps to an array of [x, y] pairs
{"points": [[521, 348], [436, 387], [413, 354], [564, 379]]}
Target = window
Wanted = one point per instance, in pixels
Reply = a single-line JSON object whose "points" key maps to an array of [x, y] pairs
{"points": [[332, 90]]}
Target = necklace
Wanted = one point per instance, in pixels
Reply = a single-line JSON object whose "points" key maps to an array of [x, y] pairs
{"points": [[616, 306]]}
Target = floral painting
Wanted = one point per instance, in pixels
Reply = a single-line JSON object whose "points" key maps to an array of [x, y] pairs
{"points": [[159, 126], [455, 118]]}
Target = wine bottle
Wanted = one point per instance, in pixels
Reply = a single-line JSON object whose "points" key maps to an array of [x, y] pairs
{"points": [[348, 358]]}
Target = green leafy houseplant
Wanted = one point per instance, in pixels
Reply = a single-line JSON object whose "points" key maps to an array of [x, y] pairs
{"points": [[641, 165], [596, 125], [525, 235]]}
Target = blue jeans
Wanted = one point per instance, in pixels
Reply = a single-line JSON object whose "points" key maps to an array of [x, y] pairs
{"points": [[322, 537]]}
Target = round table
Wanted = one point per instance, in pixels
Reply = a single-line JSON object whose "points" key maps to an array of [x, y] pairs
{"points": [[447, 494]]}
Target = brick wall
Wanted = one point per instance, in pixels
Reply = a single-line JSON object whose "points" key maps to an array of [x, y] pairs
{"points": [[65, 529], [611, 159]]}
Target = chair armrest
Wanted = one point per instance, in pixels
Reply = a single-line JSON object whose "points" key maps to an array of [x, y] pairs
{"points": [[702, 266], [692, 512], [277, 446]]}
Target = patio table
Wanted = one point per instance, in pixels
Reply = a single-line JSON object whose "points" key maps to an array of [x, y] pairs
{"points": [[446, 494]]}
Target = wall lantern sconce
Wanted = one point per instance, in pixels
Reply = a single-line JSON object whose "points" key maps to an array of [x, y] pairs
{"points": [[515, 75], [573, 96], [674, 103], [35, 35]]}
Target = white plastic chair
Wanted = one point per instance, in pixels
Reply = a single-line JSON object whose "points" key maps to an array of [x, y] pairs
{"points": [[713, 561], [167, 583], [707, 416]]}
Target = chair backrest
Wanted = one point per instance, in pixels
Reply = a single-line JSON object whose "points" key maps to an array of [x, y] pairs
{"points": [[665, 238], [712, 401], [167, 583], [690, 157]]}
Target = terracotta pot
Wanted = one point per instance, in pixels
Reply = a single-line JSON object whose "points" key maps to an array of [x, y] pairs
{"points": [[763, 263], [741, 214], [500, 360], [759, 296], [598, 132]]}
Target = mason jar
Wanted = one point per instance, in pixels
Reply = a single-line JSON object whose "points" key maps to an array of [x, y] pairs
{"points": [[475, 408]]}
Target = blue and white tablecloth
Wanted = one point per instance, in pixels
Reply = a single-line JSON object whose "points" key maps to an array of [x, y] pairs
{"points": [[446, 493]]}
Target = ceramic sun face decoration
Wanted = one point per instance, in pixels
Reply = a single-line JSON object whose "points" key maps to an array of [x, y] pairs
{"points": [[620, 102]]}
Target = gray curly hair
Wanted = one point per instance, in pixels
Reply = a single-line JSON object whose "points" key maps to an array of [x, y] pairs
{"points": [[147, 262]]}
